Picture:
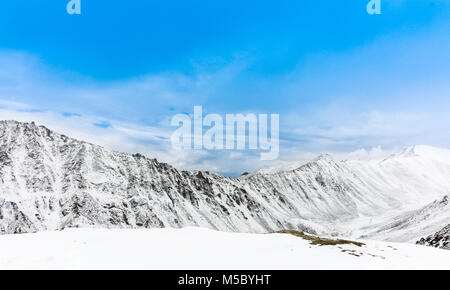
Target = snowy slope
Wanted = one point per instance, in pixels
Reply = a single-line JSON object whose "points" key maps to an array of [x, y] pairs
{"points": [[195, 248], [409, 226], [49, 181]]}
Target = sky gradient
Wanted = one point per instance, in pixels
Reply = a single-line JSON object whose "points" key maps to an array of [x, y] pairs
{"points": [[341, 79]]}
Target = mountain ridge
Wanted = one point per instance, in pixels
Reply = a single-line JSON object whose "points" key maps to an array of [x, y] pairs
{"points": [[50, 181]]}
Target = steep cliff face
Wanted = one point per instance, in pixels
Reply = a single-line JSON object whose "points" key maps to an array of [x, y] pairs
{"points": [[49, 181]]}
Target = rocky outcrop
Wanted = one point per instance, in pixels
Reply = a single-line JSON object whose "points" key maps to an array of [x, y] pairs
{"points": [[441, 239]]}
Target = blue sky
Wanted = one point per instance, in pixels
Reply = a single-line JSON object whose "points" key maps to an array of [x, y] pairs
{"points": [[340, 79]]}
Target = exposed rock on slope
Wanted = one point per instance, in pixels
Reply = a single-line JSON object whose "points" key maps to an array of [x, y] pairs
{"points": [[440, 239]]}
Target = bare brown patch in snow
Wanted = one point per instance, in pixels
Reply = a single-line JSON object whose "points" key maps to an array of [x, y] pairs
{"points": [[320, 241]]}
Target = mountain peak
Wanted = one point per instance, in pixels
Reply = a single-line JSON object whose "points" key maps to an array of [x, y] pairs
{"points": [[423, 151], [324, 157]]}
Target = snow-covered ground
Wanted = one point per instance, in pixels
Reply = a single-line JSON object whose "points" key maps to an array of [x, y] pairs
{"points": [[196, 248]]}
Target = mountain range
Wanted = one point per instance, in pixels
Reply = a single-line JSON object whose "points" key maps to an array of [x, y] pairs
{"points": [[49, 181]]}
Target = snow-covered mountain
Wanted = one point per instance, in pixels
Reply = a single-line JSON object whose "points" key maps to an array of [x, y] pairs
{"points": [[347, 196], [50, 181]]}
